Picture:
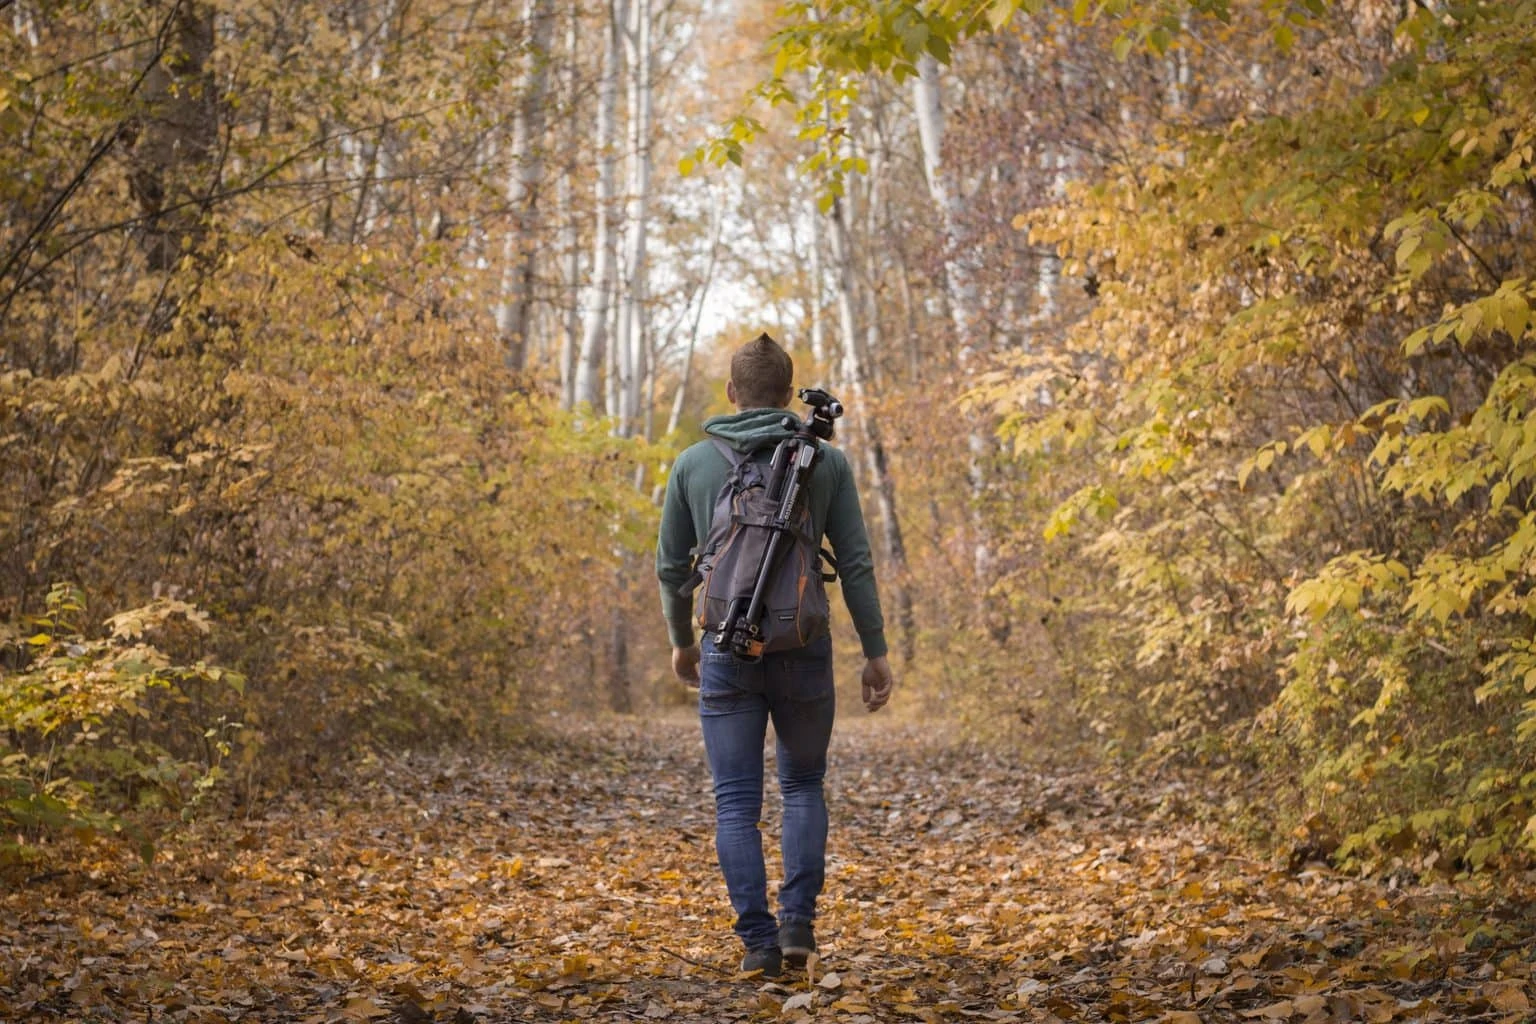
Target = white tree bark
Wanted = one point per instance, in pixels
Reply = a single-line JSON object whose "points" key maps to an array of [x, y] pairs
{"points": [[524, 172], [960, 287], [565, 199], [959, 280], [1177, 65], [611, 378], [24, 25], [814, 299], [633, 335], [595, 303], [369, 153]]}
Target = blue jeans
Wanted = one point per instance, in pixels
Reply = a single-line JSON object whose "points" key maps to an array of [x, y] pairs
{"points": [[736, 700]]}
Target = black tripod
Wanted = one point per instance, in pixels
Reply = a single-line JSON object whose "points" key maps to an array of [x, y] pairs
{"points": [[793, 460]]}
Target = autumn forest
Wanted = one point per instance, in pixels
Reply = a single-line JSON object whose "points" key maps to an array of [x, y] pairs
{"points": [[345, 350]]}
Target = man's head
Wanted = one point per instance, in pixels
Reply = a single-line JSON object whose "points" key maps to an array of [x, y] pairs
{"points": [[762, 375]]}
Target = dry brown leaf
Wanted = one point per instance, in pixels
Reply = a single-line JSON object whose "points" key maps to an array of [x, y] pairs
{"points": [[1507, 997], [563, 887], [799, 1001]]}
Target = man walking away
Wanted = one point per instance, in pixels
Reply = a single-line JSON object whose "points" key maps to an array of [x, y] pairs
{"points": [[792, 687]]}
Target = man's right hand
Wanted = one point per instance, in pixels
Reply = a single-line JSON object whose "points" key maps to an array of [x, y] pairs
{"points": [[878, 683], [685, 664]]}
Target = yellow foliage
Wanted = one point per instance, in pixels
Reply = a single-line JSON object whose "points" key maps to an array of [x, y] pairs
{"points": [[1304, 389]]}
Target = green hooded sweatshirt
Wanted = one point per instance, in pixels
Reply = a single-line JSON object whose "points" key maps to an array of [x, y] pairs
{"points": [[696, 479]]}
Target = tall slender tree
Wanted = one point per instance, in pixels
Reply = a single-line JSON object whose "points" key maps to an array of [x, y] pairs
{"points": [[525, 173], [633, 337], [598, 295]]}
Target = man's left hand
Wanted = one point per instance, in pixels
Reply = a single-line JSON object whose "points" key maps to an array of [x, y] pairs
{"points": [[685, 664]]}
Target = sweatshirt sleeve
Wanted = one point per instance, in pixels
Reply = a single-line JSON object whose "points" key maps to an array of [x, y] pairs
{"points": [[855, 567], [674, 559]]}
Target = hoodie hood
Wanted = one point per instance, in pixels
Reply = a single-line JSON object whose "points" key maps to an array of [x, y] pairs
{"points": [[752, 429]]}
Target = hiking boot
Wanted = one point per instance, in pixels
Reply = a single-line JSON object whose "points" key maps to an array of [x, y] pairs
{"points": [[769, 961], [797, 941]]}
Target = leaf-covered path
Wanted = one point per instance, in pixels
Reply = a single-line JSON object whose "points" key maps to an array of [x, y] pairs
{"points": [[578, 883]]}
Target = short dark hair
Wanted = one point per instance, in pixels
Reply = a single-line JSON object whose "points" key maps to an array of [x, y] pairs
{"points": [[763, 374]]}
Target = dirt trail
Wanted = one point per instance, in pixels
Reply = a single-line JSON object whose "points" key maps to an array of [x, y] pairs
{"points": [[578, 883]]}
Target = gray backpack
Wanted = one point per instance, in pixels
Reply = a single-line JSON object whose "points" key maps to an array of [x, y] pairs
{"points": [[795, 610]]}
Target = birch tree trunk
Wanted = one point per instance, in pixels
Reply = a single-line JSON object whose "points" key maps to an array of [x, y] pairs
{"points": [[565, 198], [959, 282], [595, 304], [818, 320], [370, 153], [24, 25], [855, 374], [632, 339], [960, 289], [1056, 162], [525, 171], [629, 333]]}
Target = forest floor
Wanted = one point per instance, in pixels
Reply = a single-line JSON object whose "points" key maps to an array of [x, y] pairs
{"points": [[577, 882]]}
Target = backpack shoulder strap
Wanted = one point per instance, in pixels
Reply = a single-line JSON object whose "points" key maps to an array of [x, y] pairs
{"points": [[732, 456], [702, 551]]}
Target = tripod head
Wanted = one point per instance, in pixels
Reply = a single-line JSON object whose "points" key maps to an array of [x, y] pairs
{"points": [[824, 410]]}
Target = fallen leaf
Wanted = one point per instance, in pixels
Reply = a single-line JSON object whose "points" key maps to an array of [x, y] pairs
{"points": [[1508, 998], [799, 1001]]}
